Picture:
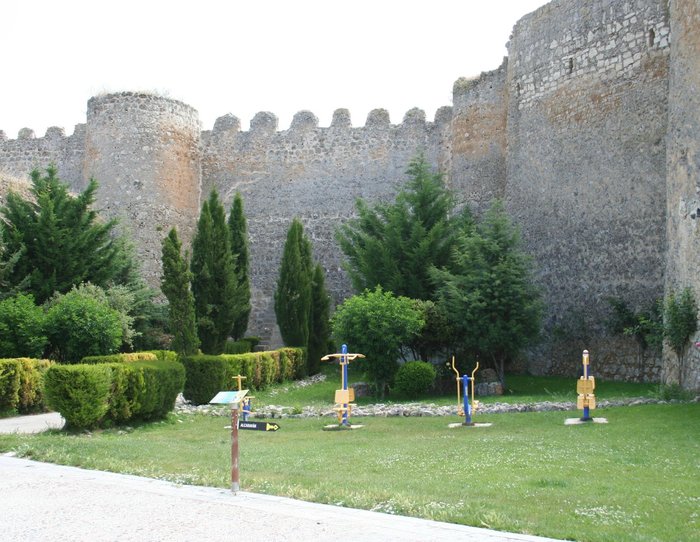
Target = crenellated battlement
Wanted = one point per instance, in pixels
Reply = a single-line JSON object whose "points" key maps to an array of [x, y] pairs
{"points": [[267, 123]]}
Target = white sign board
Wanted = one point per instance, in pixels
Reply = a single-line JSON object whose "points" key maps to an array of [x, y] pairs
{"points": [[228, 397]]}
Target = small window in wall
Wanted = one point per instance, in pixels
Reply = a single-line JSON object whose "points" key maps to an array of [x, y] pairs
{"points": [[569, 65], [517, 89], [652, 37]]}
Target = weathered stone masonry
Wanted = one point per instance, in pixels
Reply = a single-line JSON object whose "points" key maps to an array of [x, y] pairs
{"points": [[589, 132]]}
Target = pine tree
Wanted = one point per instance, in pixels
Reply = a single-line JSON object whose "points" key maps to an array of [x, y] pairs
{"points": [[319, 321], [488, 293], [394, 245], [213, 282], [60, 241], [239, 249], [175, 284], [293, 294]]}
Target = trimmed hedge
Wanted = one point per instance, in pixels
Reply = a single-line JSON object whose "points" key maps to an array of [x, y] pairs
{"points": [[415, 378], [120, 358], [22, 384], [207, 375], [100, 394], [80, 393]]}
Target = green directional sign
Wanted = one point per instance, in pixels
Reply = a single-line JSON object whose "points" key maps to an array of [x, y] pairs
{"points": [[258, 426]]}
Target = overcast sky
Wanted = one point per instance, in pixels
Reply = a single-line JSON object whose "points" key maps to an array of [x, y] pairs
{"points": [[242, 57]]}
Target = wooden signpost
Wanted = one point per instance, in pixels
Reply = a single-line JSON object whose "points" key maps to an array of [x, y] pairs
{"points": [[235, 398]]}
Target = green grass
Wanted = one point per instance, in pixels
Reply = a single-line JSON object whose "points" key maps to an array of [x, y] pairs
{"points": [[519, 389], [634, 479]]}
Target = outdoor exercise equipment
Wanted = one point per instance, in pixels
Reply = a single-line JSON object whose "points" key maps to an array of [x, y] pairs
{"points": [[345, 395], [466, 407], [245, 403], [584, 388]]}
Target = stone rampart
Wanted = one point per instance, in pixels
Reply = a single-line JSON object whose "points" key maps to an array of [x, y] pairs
{"points": [[144, 150], [312, 173], [588, 131], [586, 179], [683, 171]]}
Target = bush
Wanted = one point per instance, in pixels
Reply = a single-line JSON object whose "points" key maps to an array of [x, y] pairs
{"points": [[22, 384], [121, 358], [78, 325], [143, 390], [237, 347], [9, 384], [31, 384], [81, 393], [414, 378], [21, 327], [208, 375]]}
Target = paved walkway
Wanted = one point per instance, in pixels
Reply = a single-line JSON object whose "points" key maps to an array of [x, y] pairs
{"points": [[35, 423], [42, 501]]}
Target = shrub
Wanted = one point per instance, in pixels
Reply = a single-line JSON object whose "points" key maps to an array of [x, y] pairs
{"points": [[414, 378], [78, 325], [81, 393], [104, 393], [21, 327], [207, 375], [237, 347], [31, 384], [9, 383], [121, 358]]}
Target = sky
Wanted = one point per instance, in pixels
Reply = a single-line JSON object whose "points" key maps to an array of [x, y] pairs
{"points": [[242, 57]]}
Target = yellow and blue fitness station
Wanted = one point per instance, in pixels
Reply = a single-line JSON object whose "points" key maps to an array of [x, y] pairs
{"points": [[585, 387], [245, 402], [345, 395], [467, 407]]}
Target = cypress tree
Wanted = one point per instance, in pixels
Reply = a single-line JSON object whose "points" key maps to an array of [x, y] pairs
{"points": [[241, 263], [293, 294], [175, 284], [319, 321], [213, 282]]}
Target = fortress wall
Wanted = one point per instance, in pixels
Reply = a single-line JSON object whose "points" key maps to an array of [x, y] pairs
{"points": [[18, 157], [478, 138], [144, 151], [312, 173], [683, 169], [587, 84]]}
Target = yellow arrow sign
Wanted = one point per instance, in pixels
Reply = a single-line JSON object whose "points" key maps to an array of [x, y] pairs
{"points": [[271, 427]]}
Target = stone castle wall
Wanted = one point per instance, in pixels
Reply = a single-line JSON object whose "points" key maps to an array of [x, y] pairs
{"points": [[588, 131], [312, 173], [683, 170], [586, 159], [145, 153]]}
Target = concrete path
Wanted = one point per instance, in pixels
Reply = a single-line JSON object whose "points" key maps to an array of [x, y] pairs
{"points": [[41, 501], [31, 424]]}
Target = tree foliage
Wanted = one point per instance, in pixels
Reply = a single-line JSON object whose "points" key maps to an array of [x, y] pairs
{"points": [[394, 245], [175, 285], [679, 325], [59, 239], [377, 324], [21, 328], [214, 282], [488, 294], [81, 323], [319, 321], [293, 293], [241, 265]]}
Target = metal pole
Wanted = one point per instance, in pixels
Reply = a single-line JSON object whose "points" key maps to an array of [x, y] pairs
{"points": [[235, 474], [344, 363]]}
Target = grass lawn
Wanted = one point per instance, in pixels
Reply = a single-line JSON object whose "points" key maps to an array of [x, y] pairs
{"points": [[519, 389], [636, 478]]}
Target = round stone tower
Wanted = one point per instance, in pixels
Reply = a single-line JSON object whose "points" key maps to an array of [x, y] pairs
{"points": [[144, 151]]}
